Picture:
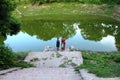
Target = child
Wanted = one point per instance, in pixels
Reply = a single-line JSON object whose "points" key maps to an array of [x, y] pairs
{"points": [[57, 44], [63, 43]]}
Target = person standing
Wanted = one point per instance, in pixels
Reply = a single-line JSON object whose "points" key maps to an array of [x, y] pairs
{"points": [[63, 43], [58, 44]]}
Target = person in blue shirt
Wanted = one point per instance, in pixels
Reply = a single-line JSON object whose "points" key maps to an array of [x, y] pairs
{"points": [[58, 44]]}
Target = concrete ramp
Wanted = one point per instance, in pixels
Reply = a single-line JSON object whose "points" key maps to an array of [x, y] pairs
{"points": [[50, 65], [54, 59]]}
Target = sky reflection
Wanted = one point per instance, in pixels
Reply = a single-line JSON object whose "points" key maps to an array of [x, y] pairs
{"points": [[24, 42]]}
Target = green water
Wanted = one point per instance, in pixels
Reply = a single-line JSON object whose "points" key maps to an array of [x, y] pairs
{"points": [[95, 33]]}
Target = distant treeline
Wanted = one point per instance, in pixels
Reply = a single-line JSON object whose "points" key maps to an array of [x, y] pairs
{"points": [[81, 1]]}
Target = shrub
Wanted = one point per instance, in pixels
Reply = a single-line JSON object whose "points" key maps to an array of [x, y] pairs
{"points": [[7, 58], [117, 59]]}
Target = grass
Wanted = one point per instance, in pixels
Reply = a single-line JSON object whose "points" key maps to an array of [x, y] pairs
{"points": [[102, 64], [62, 65], [58, 55], [20, 56], [34, 59], [23, 64], [71, 8]]}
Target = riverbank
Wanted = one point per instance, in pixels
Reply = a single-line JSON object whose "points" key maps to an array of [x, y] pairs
{"points": [[72, 8]]}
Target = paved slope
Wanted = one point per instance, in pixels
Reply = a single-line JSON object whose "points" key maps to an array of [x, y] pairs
{"points": [[55, 59], [48, 67], [42, 74]]}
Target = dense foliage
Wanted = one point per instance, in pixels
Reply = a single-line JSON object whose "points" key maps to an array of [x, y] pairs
{"points": [[8, 25], [7, 58], [81, 1], [102, 64]]}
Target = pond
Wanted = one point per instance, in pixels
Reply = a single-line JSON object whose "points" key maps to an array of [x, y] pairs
{"points": [[94, 33]]}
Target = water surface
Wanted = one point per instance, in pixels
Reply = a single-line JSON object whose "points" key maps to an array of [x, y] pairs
{"points": [[94, 33]]}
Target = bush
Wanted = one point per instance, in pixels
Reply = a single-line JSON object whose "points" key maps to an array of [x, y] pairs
{"points": [[117, 59], [7, 58]]}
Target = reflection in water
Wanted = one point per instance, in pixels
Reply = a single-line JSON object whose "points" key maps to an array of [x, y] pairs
{"points": [[47, 30], [108, 40], [94, 33], [96, 30], [25, 42]]}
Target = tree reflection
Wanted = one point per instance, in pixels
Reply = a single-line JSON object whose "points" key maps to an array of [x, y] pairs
{"points": [[117, 38], [47, 30], [96, 28], [92, 28]]}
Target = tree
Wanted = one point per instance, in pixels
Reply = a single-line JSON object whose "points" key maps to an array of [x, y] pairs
{"points": [[8, 24]]}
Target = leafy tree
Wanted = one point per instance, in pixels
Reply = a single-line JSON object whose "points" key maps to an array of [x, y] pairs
{"points": [[8, 25]]}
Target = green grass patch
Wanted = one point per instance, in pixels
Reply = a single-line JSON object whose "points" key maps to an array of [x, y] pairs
{"points": [[58, 55], [103, 64], [21, 55], [34, 59], [62, 65], [23, 64], [62, 8]]}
